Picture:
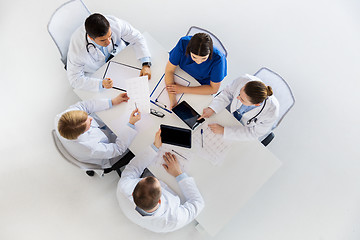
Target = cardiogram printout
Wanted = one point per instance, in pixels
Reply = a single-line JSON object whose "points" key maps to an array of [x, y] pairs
{"points": [[119, 72], [160, 96], [211, 146], [138, 92]]}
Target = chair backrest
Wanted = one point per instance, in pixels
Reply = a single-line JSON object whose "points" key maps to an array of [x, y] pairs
{"points": [[217, 43], [62, 150], [64, 21], [281, 89]]}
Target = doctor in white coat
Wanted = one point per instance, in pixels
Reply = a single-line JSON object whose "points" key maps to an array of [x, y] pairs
{"points": [[90, 141], [93, 44], [252, 103], [150, 203]]}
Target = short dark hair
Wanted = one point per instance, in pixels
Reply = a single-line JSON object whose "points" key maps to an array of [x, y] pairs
{"points": [[200, 44], [96, 25], [146, 195], [257, 91]]}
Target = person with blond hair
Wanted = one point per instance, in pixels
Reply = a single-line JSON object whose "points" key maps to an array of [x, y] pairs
{"points": [[251, 102], [89, 140]]}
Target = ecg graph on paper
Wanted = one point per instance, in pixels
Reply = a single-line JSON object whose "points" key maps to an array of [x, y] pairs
{"points": [[138, 92], [215, 147]]}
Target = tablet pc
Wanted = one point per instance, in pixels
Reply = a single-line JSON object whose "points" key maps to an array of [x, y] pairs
{"points": [[186, 113], [175, 136]]}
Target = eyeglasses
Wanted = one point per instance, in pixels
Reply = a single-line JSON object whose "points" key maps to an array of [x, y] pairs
{"points": [[156, 113]]}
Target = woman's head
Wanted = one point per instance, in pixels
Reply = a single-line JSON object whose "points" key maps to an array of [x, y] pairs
{"points": [[254, 93], [73, 123], [200, 47]]}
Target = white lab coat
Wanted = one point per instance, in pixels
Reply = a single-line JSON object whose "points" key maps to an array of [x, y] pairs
{"points": [[171, 215], [265, 120], [81, 64], [93, 146]]}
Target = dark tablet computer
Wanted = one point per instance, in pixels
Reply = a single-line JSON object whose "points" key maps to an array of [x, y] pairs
{"points": [[176, 136], [186, 113]]}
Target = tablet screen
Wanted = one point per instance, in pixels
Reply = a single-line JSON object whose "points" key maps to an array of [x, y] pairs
{"points": [[176, 136], [186, 113]]}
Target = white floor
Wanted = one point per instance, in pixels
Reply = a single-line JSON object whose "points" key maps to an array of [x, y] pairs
{"points": [[314, 45]]}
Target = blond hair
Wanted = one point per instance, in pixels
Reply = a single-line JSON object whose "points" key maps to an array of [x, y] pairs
{"points": [[72, 124]]}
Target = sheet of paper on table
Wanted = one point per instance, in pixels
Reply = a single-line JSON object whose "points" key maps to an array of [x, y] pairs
{"points": [[183, 156], [138, 92], [119, 72], [211, 146], [160, 96]]}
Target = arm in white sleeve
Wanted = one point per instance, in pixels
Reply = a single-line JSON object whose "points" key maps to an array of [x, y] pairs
{"points": [[77, 78], [225, 97], [91, 106], [193, 205], [135, 38]]}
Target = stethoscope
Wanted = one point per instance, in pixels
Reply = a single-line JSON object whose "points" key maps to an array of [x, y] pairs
{"points": [[112, 53], [254, 118]]}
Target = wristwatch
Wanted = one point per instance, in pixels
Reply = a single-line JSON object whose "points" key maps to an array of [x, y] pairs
{"points": [[146, 64]]}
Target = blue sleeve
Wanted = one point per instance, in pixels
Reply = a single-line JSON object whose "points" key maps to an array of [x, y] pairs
{"points": [[176, 53], [181, 177], [219, 70]]}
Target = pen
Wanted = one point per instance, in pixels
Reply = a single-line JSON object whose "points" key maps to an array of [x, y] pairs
{"points": [[135, 109], [179, 154], [202, 138], [119, 89]]}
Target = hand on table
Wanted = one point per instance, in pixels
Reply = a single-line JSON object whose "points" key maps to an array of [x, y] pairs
{"points": [[146, 71], [157, 140], [171, 165], [175, 88], [123, 97], [216, 128], [207, 112], [107, 83], [135, 116]]}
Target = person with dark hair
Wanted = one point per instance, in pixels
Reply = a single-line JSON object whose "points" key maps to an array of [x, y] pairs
{"points": [[150, 203], [95, 43], [87, 138], [252, 103], [198, 57]]}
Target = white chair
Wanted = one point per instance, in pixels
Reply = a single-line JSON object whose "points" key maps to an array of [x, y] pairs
{"points": [[282, 92], [89, 168], [63, 23], [217, 43]]}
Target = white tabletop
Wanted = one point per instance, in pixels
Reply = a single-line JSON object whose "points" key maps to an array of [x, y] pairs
{"points": [[225, 188]]}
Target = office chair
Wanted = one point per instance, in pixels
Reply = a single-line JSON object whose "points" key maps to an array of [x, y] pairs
{"points": [[90, 168], [217, 43], [63, 23], [283, 94]]}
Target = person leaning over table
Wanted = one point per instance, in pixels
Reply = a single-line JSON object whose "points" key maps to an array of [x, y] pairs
{"points": [[251, 102], [198, 57], [89, 140], [150, 203], [95, 43]]}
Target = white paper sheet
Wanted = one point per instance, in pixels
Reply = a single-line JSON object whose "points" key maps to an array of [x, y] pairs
{"points": [[119, 72], [161, 97], [212, 147], [182, 156], [138, 92]]}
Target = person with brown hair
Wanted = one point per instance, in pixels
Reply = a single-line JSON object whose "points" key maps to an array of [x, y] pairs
{"points": [[251, 102], [197, 56], [152, 204], [89, 140]]}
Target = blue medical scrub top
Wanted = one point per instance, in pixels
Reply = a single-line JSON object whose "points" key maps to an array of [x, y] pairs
{"points": [[214, 69]]}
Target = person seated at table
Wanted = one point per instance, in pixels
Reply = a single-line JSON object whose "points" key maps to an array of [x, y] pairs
{"points": [[198, 57], [92, 45], [251, 102], [89, 140], [152, 204]]}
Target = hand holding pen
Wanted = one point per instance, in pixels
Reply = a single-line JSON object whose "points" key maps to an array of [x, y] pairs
{"points": [[135, 116]]}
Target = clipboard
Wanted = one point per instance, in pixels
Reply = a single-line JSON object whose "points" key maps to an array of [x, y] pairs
{"points": [[160, 97], [119, 72]]}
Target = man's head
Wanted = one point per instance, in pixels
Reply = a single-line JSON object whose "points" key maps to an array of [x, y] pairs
{"points": [[74, 123], [147, 193], [98, 29]]}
